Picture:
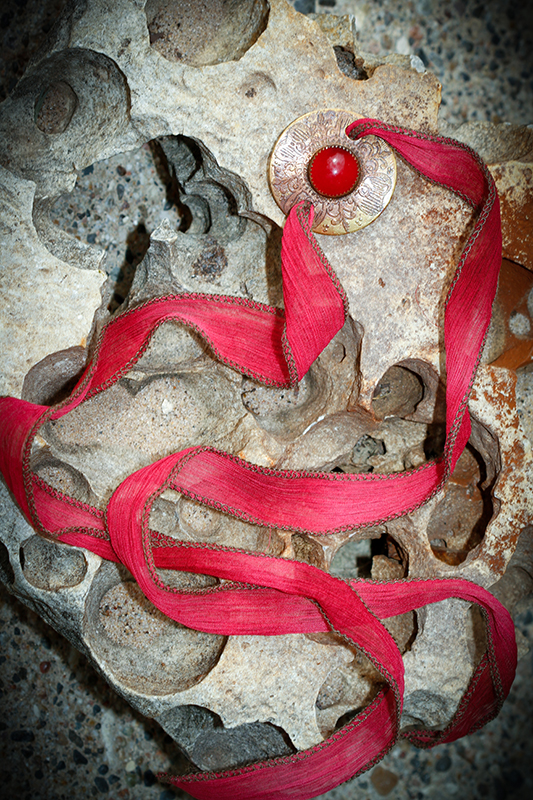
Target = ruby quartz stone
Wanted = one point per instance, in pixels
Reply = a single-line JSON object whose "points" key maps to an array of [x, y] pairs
{"points": [[333, 171]]}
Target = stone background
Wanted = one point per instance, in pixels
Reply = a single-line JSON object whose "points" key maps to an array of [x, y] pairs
{"points": [[64, 733]]}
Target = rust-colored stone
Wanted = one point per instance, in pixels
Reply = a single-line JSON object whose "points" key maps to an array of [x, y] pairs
{"points": [[514, 181], [513, 316]]}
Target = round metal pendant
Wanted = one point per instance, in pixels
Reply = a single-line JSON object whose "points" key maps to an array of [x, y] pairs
{"points": [[289, 172]]}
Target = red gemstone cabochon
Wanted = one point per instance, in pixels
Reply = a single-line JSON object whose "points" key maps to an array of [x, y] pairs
{"points": [[333, 171]]}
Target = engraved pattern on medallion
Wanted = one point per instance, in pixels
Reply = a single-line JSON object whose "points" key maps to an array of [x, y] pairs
{"points": [[289, 180]]}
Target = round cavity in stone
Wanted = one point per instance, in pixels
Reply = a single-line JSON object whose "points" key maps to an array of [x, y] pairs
{"points": [[197, 33], [458, 522], [137, 644], [6, 570], [203, 524], [54, 376], [59, 116], [200, 522], [398, 393], [55, 107], [389, 563], [353, 559], [346, 690], [116, 204], [286, 413], [50, 565], [129, 619], [307, 550]]}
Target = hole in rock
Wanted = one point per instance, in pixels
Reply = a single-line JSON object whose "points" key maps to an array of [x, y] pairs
{"points": [[197, 33], [176, 163], [6, 570], [365, 448], [114, 207], [146, 650], [459, 521], [173, 185], [353, 560], [183, 519], [389, 559], [390, 563], [349, 64], [398, 393], [409, 406], [50, 565], [347, 690], [137, 244], [61, 476], [222, 748], [344, 719], [207, 196], [307, 550], [287, 412], [434, 441], [53, 378]]}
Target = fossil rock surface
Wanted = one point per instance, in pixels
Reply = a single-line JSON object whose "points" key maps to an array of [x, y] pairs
{"points": [[113, 77]]}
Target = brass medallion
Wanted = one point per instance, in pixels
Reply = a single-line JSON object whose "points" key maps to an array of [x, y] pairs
{"points": [[289, 178]]}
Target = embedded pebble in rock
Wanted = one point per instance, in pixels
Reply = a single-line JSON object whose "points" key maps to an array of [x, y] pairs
{"points": [[222, 749]]}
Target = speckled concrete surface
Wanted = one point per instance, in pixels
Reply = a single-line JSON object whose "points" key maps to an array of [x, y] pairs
{"points": [[65, 734], [482, 52]]}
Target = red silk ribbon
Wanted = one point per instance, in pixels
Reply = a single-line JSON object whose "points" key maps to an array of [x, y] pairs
{"points": [[281, 596]]}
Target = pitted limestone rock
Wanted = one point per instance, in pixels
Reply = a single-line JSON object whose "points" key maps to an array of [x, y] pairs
{"points": [[371, 402], [48, 305], [281, 692]]}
